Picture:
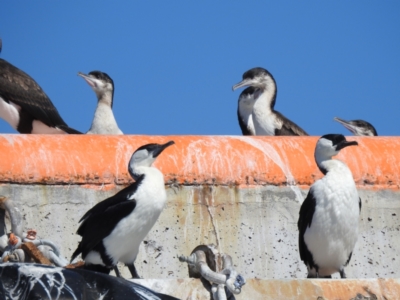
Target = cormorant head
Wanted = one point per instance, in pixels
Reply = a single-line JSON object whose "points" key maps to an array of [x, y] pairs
{"points": [[145, 155], [329, 145], [100, 82], [258, 78], [358, 127]]}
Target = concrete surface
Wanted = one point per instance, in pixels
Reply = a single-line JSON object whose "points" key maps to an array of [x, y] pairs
{"points": [[241, 193], [302, 289], [256, 226]]}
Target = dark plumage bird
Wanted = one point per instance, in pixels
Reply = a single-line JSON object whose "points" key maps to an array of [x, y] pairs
{"points": [[104, 120], [25, 106], [256, 112], [27, 281], [329, 216], [358, 127], [113, 229]]}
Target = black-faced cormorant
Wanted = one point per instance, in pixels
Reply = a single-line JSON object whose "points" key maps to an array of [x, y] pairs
{"points": [[104, 120], [358, 127], [256, 112], [113, 229], [329, 216]]}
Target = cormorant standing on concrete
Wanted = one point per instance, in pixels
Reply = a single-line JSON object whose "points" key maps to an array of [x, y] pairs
{"points": [[329, 216], [113, 229]]}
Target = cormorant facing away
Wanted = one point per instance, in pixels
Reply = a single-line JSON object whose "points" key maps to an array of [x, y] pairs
{"points": [[358, 127], [256, 112], [113, 229], [104, 120], [25, 106], [329, 216]]}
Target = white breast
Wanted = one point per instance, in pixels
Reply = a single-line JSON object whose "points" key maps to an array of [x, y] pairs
{"points": [[104, 121], [263, 117], [123, 242], [10, 113], [334, 229]]}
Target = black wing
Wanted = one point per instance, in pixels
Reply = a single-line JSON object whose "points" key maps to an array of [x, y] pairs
{"points": [[359, 204], [305, 219], [21, 89], [94, 229], [288, 127], [100, 220], [119, 197]]}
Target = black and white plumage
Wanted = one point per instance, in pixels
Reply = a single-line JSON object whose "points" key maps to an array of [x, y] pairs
{"points": [[27, 281], [329, 216], [358, 127], [113, 229], [104, 121], [256, 112], [25, 106]]}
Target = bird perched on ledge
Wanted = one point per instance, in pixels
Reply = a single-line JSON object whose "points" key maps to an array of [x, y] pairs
{"points": [[25, 106], [104, 120], [358, 127], [113, 229], [256, 112], [329, 216]]}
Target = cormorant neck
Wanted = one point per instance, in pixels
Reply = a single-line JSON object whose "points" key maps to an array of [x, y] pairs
{"points": [[271, 90], [137, 172], [106, 98], [325, 162], [266, 99], [136, 176]]}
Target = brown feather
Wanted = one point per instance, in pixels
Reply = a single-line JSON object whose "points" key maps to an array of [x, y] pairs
{"points": [[18, 87]]}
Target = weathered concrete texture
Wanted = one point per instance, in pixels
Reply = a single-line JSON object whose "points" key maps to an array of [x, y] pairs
{"points": [[257, 226], [256, 289]]}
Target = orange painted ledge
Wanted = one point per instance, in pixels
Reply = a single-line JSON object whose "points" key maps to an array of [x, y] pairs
{"points": [[221, 160]]}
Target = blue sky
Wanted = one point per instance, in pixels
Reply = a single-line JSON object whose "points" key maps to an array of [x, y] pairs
{"points": [[174, 63]]}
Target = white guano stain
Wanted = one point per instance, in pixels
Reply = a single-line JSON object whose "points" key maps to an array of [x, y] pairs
{"points": [[35, 274], [270, 151], [208, 164]]}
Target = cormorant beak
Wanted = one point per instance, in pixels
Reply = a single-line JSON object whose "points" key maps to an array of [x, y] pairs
{"points": [[88, 79], [161, 148], [347, 125], [243, 83], [345, 144]]}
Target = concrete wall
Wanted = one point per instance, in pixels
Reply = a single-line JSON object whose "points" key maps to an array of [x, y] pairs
{"points": [[240, 193]]}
